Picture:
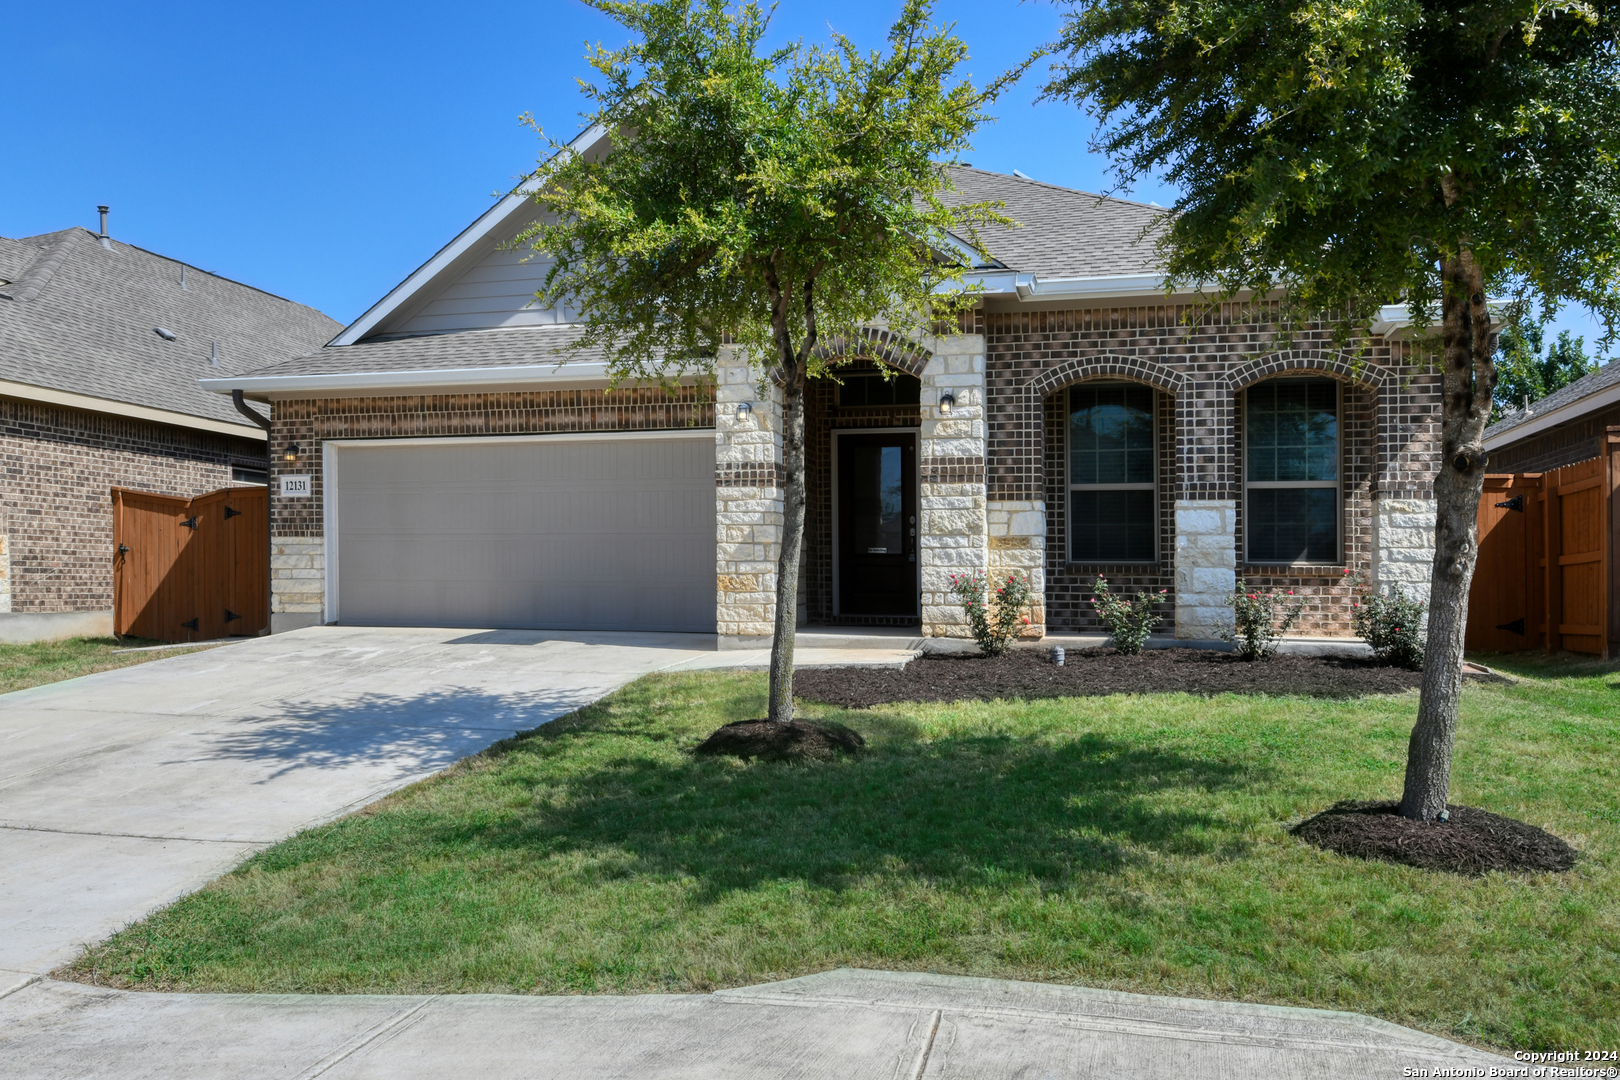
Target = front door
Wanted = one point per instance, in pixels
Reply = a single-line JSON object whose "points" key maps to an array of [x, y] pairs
{"points": [[877, 524]]}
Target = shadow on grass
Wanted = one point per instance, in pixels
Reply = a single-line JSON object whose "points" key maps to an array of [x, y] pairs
{"points": [[961, 812]]}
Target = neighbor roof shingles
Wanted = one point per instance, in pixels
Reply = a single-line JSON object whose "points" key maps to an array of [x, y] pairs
{"points": [[1604, 377], [540, 346], [89, 327]]}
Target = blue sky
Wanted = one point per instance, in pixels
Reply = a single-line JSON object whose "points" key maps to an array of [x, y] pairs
{"points": [[323, 151]]}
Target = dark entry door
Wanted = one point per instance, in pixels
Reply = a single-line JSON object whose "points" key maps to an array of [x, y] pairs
{"points": [[877, 524]]}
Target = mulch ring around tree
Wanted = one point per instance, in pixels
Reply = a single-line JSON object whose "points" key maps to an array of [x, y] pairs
{"points": [[1029, 673], [1472, 842], [797, 740]]}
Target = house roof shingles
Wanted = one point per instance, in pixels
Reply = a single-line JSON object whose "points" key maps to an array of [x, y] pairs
{"points": [[79, 318], [1061, 232]]}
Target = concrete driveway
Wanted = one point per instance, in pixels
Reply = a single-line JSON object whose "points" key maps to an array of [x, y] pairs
{"points": [[122, 791]]}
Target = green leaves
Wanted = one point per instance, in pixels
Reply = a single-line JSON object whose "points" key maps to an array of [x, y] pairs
{"points": [[1312, 139], [770, 199]]}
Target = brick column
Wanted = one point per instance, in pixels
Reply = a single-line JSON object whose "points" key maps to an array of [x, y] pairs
{"points": [[748, 505], [953, 533]]}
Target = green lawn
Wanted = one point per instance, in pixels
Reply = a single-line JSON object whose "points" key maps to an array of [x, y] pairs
{"points": [[1134, 842], [22, 666]]}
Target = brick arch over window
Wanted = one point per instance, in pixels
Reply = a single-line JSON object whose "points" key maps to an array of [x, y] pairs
{"points": [[880, 346], [1306, 361], [1337, 365], [1129, 368]]}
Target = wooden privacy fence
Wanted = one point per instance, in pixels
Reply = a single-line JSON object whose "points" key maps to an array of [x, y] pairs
{"points": [[191, 569], [1547, 574]]}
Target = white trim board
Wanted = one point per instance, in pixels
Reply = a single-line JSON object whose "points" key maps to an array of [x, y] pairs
{"points": [[66, 399]]}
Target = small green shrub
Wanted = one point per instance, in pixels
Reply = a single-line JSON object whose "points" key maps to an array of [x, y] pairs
{"points": [[1392, 623], [1260, 617], [995, 616], [1129, 622]]}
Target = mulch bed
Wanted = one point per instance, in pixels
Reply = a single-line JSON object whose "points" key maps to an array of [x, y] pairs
{"points": [[797, 740], [1030, 673], [1472, 842]]}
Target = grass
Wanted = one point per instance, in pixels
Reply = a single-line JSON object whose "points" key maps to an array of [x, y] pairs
{"points": [[40, 662], [1132, 842]]}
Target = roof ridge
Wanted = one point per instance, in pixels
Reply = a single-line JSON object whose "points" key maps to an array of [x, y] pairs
{"points": [[1060, 187], [42, 269]]}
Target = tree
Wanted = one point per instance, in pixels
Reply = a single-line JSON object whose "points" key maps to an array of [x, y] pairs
{"points": [[1524, 375], [1341, 156], [782, 203]]}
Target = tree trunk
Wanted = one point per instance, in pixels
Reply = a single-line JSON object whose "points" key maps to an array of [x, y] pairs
{"points": [[787, 567], [1469, 379]]}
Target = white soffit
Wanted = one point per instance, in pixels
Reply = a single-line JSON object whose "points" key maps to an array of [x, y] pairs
{"points": [[85, 402], [353, 384], [490, 223]]}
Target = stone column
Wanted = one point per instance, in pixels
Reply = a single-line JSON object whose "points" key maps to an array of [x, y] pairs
{"points": [[297, 582], [1403, 544], [953, 533], [1018, 545], [1206, 566], [748, 505]]}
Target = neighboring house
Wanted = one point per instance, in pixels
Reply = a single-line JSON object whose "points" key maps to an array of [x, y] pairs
{"points": [[1562, 428], [464, 467], [101, 346]]}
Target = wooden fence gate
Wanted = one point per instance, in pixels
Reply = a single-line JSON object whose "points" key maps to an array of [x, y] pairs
{"points": [[1548, 544], [191, 569]]}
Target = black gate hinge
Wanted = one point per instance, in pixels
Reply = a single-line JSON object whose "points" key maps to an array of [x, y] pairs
{"points": [[1514, 627], [231, 511], [190, 523], [231, 616], [1515, 503], [190, 624]]}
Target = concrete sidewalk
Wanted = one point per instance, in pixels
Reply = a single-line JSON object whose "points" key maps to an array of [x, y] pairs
{"points": [[841, 1025]]}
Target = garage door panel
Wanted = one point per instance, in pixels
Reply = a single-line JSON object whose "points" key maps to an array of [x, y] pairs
{"points": [[542, 533]]}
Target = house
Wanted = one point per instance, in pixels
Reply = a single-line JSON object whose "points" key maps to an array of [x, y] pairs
{"points": [[451, 459], [1561, 429], [101, 346]]}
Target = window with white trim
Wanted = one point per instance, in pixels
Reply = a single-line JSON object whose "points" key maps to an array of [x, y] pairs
{"points": [[1292, 473], [1113, 467]]}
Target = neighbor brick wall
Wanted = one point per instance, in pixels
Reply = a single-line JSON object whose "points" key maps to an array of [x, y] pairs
{"points": [[56, 501], [1200, 361]]}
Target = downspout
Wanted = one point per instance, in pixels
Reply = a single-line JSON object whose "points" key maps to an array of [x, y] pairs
{"points": [[270, 549]]}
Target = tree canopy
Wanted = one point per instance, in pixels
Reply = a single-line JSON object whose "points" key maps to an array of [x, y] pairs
{"points": [[1524, 373], [1345, 150], [769, 198]]}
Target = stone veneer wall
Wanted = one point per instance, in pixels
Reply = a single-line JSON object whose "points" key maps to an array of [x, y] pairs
{"points": [[56, 504], [1403, 544], [1201, 361], [297, 526], [953, 535], [748, 502]]}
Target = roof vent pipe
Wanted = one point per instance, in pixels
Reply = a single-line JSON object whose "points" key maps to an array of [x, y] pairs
{"points": [[106, 241]]}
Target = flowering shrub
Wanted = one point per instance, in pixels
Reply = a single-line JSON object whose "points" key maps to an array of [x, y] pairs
{"points": [[1256, 626], [1392, 623], [996, 618], [1129, 622]]}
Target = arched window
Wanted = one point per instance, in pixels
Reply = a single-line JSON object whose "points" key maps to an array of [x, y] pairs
{"points": [[1292, 472], [1113, 501]]}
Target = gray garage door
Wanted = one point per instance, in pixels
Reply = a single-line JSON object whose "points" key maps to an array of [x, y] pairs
{"points": [[591, 534]]}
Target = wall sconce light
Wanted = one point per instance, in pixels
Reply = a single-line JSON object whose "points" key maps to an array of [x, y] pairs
{"points": [[947, 402], [292, 452], [743, 409]]}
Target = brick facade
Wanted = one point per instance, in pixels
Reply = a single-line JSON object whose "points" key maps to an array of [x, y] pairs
{"points": [[1389, 431], [56, 503]]}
